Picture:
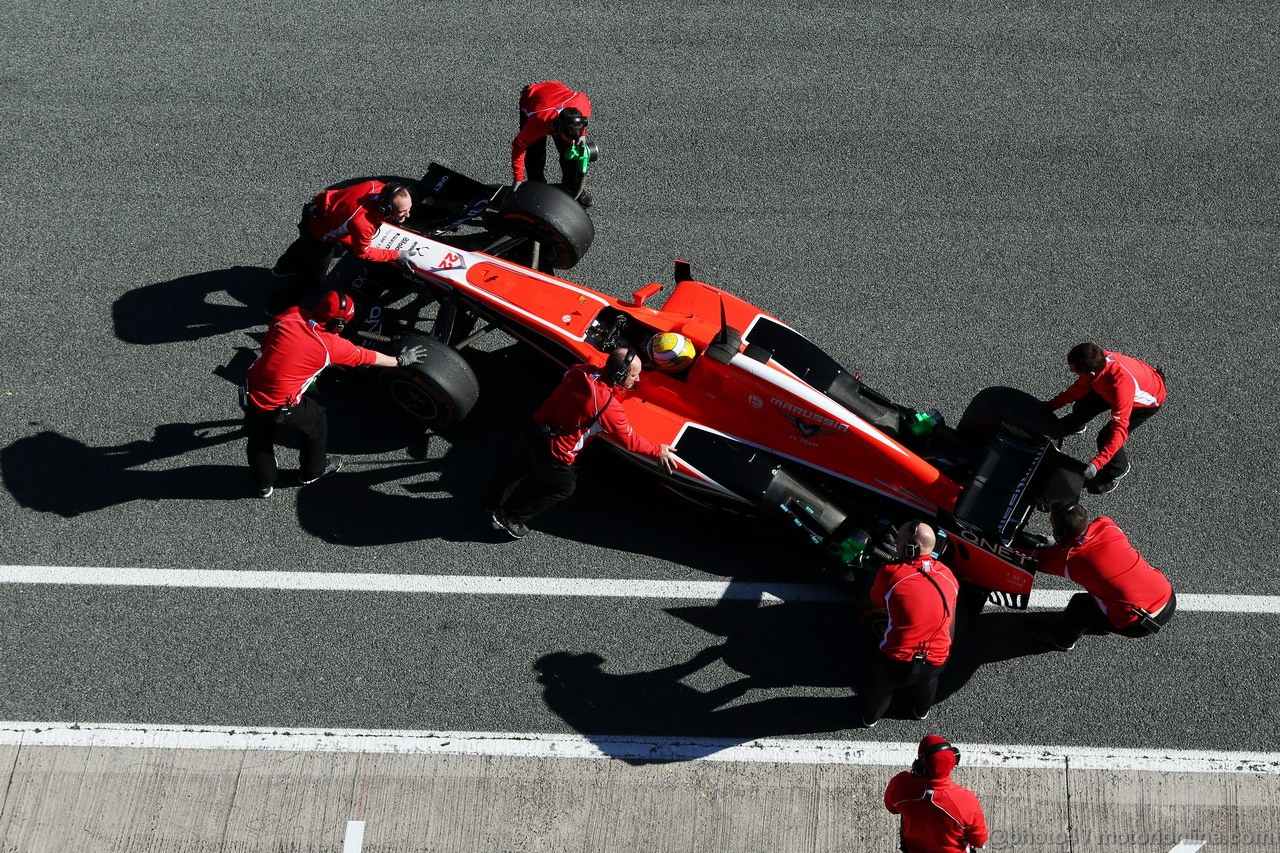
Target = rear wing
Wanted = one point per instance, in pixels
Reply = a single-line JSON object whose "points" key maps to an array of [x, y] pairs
{"points": [[1018, 475]]}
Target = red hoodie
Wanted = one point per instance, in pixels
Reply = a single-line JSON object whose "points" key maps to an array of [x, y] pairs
{"points": [[1125, 383], [540, 103], [921, 615], [294, 351], [571, 412], [350, 216], [938, 815], [1110, 569]]}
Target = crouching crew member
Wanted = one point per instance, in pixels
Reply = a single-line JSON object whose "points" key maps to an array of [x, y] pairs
{"points": [[1123, 593], [553, 109], [918, 596], [1130, 388], [938, 815], [348, 217], [538, 473], [299, 345]]}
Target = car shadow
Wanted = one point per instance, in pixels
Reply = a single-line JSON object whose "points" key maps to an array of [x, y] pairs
{"points": [[195, 306]]}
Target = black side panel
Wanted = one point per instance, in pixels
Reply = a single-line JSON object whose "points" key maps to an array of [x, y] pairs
{"points": [[795, 352], [764, 479], [734, 465], [803, 358]]}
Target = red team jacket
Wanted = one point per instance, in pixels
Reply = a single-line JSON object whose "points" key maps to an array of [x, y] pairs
{"points": [[570, 411], [540, 103], [938, 815], [350, 216], [1110, 569], [1125, 383], [918, 621], [294, 351]]}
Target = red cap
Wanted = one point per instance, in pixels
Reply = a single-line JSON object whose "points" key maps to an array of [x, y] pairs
{"points": [[937, 763]]}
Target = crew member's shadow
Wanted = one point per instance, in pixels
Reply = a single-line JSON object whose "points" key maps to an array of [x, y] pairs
{"points": [[800, 648], [989, 638], [795, 647], [194, 306], [51, 472]]}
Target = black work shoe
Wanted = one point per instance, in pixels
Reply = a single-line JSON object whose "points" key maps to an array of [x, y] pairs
{"points": [[1102, 487], [919, 715], [1045, 634], [267, 492], [332, 465], [585, 199], [868, 724], [513, 528]]}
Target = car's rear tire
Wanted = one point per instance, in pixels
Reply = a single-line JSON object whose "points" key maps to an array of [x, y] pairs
{"points": [[439, 391], [552, 217]]}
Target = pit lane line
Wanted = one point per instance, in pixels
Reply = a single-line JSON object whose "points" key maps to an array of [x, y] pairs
{"points": [[766, 592], [536, 745]]}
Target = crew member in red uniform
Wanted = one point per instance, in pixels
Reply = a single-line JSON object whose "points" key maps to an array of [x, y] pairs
{"points": [[298, 345], [938, 815], [1123, 593], [552, 109], [1130, 388], [917, 594], [349, 217], [538, 473]]}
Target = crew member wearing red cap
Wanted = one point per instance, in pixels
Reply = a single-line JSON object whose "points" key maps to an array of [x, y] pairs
{"points": [[917, 596], [1130, 388], [299, 345], [1124, 594], [938, 815]]}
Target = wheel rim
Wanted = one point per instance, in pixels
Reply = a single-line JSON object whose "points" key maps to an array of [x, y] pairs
{"points": [[416, 401]]}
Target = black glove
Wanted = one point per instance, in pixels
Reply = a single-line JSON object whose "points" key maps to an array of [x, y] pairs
{"points": [[411, 355]]}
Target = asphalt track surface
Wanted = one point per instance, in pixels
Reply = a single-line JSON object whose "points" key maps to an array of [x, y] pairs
{"points": [[946, 196]]}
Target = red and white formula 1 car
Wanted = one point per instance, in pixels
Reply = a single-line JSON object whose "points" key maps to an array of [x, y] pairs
{"points": [[761, 420]]}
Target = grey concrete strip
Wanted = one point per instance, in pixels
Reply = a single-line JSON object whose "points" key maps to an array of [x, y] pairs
{"points": [[1123, 811], [176, 801]]}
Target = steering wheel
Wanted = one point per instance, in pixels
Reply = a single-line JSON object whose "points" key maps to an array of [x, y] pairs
{"points": [[613, 339]]}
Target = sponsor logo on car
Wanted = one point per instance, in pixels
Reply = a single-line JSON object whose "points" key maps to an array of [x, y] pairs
{"points": [[807, 423], [994, 546]]}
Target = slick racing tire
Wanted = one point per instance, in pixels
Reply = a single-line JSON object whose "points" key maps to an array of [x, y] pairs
{"points": [[550, 216], [437, 392], [992, 407]]}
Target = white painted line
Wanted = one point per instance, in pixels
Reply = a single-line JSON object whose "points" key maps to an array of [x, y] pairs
{"points": [[512, 744], [1187, 846], [437, 584], [1044, 599], [355, 837]]}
